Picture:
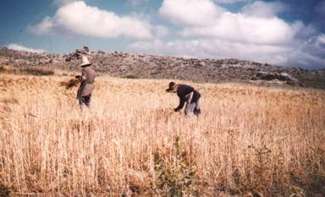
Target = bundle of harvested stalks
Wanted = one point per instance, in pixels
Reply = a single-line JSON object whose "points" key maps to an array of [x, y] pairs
{"points": [[71, 83]]}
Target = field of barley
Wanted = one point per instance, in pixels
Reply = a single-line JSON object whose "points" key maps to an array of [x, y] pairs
{"points": [[249, 140]]}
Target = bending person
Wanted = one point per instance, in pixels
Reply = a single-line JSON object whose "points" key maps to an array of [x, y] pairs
{"points": [[188, 95]]}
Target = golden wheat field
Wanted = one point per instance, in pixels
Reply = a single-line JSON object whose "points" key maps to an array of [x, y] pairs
{"points": [[249, 140]]}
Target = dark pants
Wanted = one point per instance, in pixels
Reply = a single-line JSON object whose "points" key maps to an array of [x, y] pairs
{"points": [[85, 100]]}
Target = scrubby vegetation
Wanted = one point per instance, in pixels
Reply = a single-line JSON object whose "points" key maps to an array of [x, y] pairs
{"points": [[28, 70]]}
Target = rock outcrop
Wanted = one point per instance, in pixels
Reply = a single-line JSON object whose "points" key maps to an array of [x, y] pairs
{"points": [[277, 77], [130, 65]]}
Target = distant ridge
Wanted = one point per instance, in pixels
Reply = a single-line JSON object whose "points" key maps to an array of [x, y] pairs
{"points": [[119, 64]]}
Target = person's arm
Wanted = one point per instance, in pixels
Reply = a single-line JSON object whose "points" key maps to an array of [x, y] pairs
{"points": [[180, 106], [78, 77], [83, 75]]}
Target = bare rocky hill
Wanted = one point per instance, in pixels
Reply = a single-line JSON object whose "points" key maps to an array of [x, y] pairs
{"points": [[150, 66]]}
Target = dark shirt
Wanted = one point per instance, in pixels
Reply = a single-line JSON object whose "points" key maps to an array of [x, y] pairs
{"points": [[87, 82], [183, 92]]}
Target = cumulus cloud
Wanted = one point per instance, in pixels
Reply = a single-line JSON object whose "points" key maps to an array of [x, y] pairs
{"points": [[254, 33], [207, 19], [44, 27], [241, 28], [161, 31], [190, 12], [321, 39], [19, 47], [229, 1], [199, 28], [309, 53], [214, 48], [80, 18], [263, 9]]}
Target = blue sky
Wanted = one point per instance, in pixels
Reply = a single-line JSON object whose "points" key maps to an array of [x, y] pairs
{"points": [[287, 33]]}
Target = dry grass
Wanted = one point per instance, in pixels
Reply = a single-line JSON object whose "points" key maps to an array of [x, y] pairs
{"points": [[248, 141], [28, 70]]}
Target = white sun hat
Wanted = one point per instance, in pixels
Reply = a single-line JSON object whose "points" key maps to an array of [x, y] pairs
{"points": [[85, 61]]}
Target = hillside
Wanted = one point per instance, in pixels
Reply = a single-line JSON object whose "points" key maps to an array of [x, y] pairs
{"points": [[127, 65]]}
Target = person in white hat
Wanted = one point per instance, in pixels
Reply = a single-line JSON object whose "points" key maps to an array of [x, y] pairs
{"points": [[87, 79]]}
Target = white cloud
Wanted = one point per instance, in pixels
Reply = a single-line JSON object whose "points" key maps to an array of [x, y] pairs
{"points": [[206, 19], [214, 48], [229, 1], [161, 31], [80, 18], [45, 26], [190, 12], [263, 9], [321, 39], [18, 47], [202, 28], [241, 28], [302, 53], [255, 33]]}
